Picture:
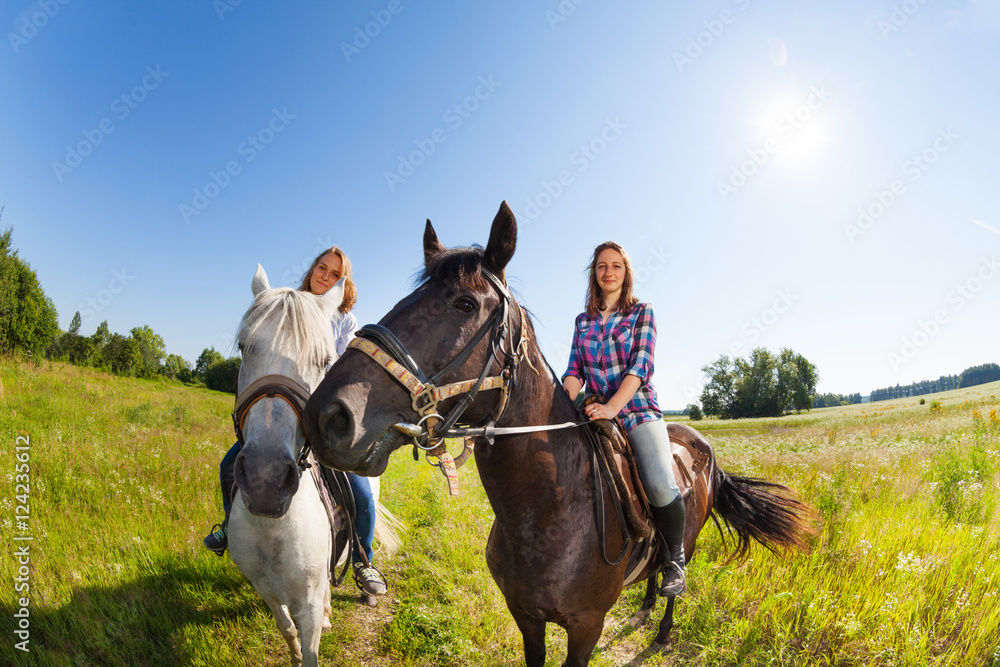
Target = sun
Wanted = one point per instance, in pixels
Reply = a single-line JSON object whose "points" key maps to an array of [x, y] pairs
{"points": [[797, 126]]}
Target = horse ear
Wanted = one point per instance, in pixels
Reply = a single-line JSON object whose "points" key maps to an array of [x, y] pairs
{"points": [[335, 295], [503, 239], [259, 283], [431, 244]]}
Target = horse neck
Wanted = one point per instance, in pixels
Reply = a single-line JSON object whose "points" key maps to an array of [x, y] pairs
{"points": [[517, 471]]}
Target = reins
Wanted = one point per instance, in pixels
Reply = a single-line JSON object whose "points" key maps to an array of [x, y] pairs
{"points": [[428, 434]]}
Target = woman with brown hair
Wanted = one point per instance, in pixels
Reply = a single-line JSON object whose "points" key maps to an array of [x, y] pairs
{"points": [[328, 267], [612, 357]]}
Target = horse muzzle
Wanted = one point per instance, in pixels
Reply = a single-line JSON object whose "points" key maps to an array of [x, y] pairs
{"points": [[267, 486]]}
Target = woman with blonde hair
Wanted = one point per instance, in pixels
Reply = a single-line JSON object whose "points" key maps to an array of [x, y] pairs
{"points": [[612, 357], [329, 266]]}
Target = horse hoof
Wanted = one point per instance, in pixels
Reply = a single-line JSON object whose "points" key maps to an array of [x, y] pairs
{"points": [[663, 649], [639, 619], [370, 600]]}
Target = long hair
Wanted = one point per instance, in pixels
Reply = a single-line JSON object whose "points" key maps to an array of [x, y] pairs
{"points": [[595, 299], [350, 291]]}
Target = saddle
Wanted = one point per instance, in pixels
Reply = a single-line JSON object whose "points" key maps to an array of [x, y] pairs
{"points": [[689, 461], [338, 500]]}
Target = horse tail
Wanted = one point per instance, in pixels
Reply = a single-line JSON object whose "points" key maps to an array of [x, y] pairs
{"points": [[387, 529], [752, 509]]}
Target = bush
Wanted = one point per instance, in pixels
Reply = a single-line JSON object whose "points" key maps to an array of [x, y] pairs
{"points": [[222, 375], [694, 412]]}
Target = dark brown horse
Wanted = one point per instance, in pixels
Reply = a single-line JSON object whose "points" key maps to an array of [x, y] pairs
{"points": [[545, 550]]}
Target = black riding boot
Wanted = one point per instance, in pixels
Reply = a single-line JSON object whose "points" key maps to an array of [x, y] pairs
{"points": [[670, 523]]}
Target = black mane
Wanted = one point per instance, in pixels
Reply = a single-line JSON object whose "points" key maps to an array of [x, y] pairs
{"points": [[462, 266]]}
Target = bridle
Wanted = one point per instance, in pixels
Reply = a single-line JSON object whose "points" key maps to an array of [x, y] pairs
{"points": [[428, 434], [426, 393], [292, 391]]}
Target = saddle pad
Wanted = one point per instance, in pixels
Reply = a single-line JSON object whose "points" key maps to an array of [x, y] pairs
{"points": [[690, 457], [690, 460]]}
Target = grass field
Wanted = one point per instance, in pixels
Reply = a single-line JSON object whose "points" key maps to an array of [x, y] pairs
{"points": [[123, 484]]}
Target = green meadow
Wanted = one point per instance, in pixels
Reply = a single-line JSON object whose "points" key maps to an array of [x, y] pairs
{"points": [[123, 484]]}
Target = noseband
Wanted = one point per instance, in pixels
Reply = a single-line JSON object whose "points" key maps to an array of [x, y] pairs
{"points": [[381, 345], [270, 386]]}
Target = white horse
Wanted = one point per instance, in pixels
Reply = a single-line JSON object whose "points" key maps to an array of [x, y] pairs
{"points": [[280, 536]]}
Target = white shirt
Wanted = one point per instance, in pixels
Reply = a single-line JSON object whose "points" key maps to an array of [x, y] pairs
{"points": [[343, 332]]}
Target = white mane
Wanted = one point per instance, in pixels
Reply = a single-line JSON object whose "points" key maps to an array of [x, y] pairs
{"points": [[301, 324]]}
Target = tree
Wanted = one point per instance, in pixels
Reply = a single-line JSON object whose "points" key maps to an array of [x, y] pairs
{"points": [[151, 347], [720, 392], [694, 412], [175, 366], [28, 319], [74, 326], [762, 385], [123, 356], [206, 359], [222, 375]]}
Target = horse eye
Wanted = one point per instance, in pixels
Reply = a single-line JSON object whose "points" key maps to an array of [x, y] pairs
{"points": [[465, 305]]}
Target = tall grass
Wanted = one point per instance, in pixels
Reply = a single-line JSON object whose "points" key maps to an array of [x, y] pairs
{"points": [[124, 484]]}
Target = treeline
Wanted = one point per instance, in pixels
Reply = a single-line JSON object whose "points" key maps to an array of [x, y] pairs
{"points": [[970, 377], [29, 326], [979, 375], [833, 400], [141, 354]]}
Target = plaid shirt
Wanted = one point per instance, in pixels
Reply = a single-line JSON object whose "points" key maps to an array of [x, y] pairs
{"points": [[603, 354]]}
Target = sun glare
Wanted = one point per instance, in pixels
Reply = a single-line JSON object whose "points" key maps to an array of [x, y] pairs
{"points": [[795, 126]]}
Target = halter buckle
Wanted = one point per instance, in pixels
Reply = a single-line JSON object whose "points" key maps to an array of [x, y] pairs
{"points": [[424, 403]]}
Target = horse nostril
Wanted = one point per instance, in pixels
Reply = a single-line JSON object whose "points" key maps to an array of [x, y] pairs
{"points": [[337, 423]]}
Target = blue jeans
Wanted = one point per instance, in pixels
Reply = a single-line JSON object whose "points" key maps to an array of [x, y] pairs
{"points": [[364, 521]]}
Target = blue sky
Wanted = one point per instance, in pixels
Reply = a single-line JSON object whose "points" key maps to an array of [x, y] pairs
{"points": [[813, 175]]}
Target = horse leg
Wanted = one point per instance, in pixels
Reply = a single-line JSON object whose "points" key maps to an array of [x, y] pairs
{"points": [[286, 626], [583, 632], [327, 609], [666, 623], [533, 634], [648, 603], [310, 621]]}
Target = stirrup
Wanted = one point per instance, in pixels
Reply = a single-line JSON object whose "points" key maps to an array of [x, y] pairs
{"points": [[674, 580]]}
